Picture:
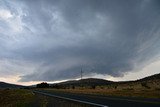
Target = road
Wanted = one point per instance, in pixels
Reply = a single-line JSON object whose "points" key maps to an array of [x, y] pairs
{"points": [[102, 101]]}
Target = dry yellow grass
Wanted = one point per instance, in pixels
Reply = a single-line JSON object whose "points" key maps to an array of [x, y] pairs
{"points": [[15, 97]]}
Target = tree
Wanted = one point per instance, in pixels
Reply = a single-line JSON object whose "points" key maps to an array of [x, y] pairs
{"points": [[43, 85]]}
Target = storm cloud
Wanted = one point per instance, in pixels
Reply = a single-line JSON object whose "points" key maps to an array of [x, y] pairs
{"points": [[47, 40]]}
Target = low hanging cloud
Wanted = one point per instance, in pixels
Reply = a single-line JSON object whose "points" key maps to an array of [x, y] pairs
{"points": [[60, 37]]}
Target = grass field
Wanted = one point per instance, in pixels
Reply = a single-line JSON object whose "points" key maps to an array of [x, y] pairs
{"points": [[15, 97]]}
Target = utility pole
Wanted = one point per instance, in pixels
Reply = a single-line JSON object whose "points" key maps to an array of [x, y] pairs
{"points": [[81, 73]]}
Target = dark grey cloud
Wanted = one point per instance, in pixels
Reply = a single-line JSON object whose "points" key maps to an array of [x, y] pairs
{"points": [[101, 36]]}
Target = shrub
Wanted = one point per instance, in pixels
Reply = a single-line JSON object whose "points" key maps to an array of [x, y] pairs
{"points": [[144, 84]]}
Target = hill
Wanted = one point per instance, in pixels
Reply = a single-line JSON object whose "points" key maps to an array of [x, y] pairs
{"points": [[8, 85], [86, 82], [152, 77], [89, 82], [150, 82]]}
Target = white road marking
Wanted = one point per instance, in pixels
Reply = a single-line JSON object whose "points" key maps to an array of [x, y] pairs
{"points": [[85, 102]]}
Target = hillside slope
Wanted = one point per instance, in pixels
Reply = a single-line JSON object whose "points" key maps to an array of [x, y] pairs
{"points": [[87, 82], [8, 85], [152, 77], [150, 82]]}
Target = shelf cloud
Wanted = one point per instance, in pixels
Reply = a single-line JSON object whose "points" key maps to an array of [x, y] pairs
{"points": [[50, 40]]}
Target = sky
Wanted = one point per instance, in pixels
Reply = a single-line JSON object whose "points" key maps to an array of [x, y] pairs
{"points": [[52, 40]]}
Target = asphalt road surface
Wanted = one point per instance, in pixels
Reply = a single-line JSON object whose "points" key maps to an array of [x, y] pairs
{"points": [[102, 101]]}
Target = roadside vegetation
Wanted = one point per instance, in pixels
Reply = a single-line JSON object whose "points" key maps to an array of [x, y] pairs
{"points": [[15, 97]]}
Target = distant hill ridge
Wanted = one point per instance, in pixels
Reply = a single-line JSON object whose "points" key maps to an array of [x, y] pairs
{"points": [[152, 77], [88, 82], [8, 85], [95, 81]]}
